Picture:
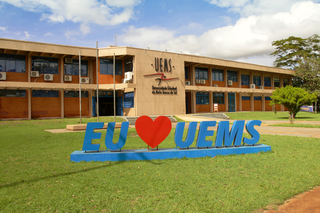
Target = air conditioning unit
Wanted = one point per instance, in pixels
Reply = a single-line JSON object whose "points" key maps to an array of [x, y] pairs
{"points": [[127, 77], [48, 77], [230, 82], [68, 60], [34, 74], [3, 76], [84, 80], [215, 85], [252, 86], [203, 81], [67, 78], [187, 83], [198, 81], [260, 87]]}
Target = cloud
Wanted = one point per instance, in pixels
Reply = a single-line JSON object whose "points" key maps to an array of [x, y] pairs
{"points": [[81, 11], [256, 7], [48, 34], [3, 29], [27, 35], [142, 37], [248, 37]]}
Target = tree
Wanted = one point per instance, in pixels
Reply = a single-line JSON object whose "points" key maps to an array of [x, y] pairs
{"points": [[308, 75], [292, 98], [289, 51]]}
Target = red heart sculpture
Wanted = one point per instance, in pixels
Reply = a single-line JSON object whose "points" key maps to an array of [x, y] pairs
{"points": [[153, 132]]}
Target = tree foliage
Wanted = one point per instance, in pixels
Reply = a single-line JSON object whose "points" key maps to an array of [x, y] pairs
{"points": [[308, 74], [292, 98], [293, 49]]}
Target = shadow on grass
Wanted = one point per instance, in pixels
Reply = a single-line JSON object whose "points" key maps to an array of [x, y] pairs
{"points": [[69, 173]]}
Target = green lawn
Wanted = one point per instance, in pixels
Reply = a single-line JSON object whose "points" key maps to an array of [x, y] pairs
{"points": [[298, 125], [37, 175], [301, 116]]}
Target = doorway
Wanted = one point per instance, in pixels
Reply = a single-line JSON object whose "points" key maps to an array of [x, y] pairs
{"points": [[231, 102]]}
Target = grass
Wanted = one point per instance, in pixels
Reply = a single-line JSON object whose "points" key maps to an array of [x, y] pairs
{"points": [[36, 175], [301, 116], [298, 125]]}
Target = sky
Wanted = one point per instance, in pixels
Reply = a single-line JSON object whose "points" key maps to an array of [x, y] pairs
{"points": [[239, 30]]}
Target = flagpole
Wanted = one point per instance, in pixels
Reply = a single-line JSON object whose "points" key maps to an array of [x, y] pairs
{"points": [[80, 85], [114, 86], [97, 106]]}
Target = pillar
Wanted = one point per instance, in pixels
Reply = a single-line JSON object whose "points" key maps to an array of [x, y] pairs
{"points": [[263, 102], [226, 101], [240, 102], [252, 101], [211, 101]]}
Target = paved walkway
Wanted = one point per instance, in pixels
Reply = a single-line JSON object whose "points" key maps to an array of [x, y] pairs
{"points": [[269, 130]]}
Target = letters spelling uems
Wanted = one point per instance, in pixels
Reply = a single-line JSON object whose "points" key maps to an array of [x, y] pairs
{"points": [[223, 138]]}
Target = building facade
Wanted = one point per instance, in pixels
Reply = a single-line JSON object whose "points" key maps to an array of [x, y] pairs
{"points": [[40, 80]]}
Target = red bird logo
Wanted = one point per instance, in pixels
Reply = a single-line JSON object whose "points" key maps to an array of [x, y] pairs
{"points": [[163, 77]]}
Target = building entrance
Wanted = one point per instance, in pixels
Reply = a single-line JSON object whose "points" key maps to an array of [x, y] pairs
{"points": [[231, 102]]}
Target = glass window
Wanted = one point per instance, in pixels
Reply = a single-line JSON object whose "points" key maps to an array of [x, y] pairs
{"points": [[245, 80], [12, 93], [267, 81], [245, 98], [106, 66], [75, 94], [128, 100], [128, 64], [267, 98], [202, 98], [285, 82], [186, 72], [217, 75], [218, 97], [45, 65], [257, 80], [257, 98], [45, 93], [12, 63], [276, 82], [73, 68], [201, 73], [232, 75]]}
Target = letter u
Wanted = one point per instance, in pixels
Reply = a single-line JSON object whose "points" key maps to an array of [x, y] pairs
{"points": [[122, 138], [179, 134]]}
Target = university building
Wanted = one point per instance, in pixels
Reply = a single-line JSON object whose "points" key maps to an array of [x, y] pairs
{"points": [[40, 80]]}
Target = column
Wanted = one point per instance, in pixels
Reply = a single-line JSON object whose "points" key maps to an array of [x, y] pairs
{"points": [[252, 101], [239, 79], [272, 81], [225, 76], [192, 76], [211, 101], [226, 101], [90, 102], [210, 75], [193, 102], [240, 102], [29, 67], [251, 78], [263, 102], [62, 103], [262, 80], [29, 103]]}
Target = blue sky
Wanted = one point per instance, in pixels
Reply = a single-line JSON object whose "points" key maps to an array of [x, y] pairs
{"points": [[240, 30]]}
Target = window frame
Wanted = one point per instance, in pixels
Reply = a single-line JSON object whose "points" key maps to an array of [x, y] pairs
{"points": [[13, 59], [245, 78], [200, 71], [257, 80], [75, 68], [128, 102], [267, 83], [108, 63], [218, 97], [217, 75], [45, 65], [232, 75], [202, 98]]}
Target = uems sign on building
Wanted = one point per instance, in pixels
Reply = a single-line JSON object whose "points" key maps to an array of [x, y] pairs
{"points": [[154, 132]]}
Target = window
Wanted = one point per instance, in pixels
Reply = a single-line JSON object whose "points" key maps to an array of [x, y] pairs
{"points": [[245, 98], [232, 75], [285, 82], [245, 80], [45, 93], [106, 66], [267, 98], [12, 93], [267, 81], [201, 73], [128, 100], [45, 65], [217, 75], [218, 97], [75, 94], [73, 68], [186, 71], [202, 98], [12, 63], [257, 98], [276, 82], [257, 80], [128, 64]]}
